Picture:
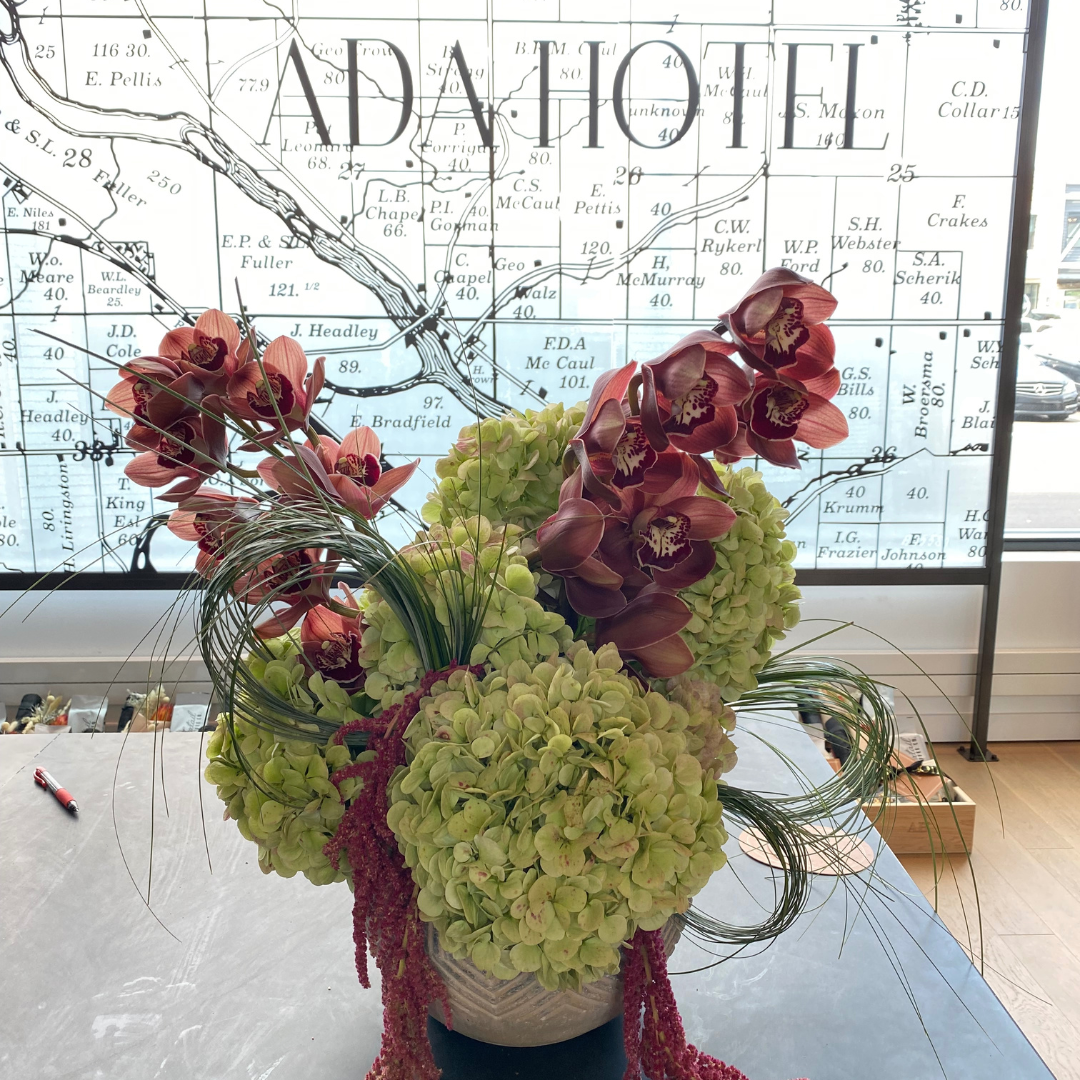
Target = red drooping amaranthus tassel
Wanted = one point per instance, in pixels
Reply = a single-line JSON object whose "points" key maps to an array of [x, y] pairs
{"points": [[659, 1047], [385, 919], [384, 901], [633, 973]]}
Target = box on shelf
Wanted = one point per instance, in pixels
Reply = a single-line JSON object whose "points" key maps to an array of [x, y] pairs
{"points": [[925, 828], [919, 820]]}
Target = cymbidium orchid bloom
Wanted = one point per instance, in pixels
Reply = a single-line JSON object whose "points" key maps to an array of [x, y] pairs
{"points": [[154, 391], [778, 326], [299, 579], [631, 528], [670, 537], [632, 456], [648, 628], [209, 517], [568, 543], [349, 473], [141, 380], [738, 448], [300, 474], [689, 393], [355, 472], [192, 447], [331, 645], [651, 538], [614, 452], [653, 544], [777, 413], [207, 349], [287, 389], [577, 544], [606, 451]]}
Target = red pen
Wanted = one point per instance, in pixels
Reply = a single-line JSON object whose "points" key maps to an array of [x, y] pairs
{"points": [[65, 798]]}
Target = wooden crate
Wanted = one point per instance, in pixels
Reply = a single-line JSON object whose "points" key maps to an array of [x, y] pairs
{"points": [[926, 828]]}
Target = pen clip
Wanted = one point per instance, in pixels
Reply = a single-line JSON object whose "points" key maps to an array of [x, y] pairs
{"points": [[39, 778]]}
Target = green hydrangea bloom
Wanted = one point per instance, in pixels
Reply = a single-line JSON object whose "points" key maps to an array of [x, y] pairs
{"points": [[739, 611], [508, 469], [515, 625], [710, 721], [279, 791], [549, 810], [749, 599]]}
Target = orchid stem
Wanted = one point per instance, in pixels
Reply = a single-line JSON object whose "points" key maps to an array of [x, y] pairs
{"points": [[343, 609]]}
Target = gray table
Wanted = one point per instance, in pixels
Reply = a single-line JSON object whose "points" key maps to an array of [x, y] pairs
{"points": [[258, 981]]}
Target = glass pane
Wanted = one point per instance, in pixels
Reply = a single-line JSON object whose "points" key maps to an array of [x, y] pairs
{"points": [[1044, 483], [466, 206]]}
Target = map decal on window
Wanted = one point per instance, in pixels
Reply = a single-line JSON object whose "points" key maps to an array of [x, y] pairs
{"points": [[472, 205]]}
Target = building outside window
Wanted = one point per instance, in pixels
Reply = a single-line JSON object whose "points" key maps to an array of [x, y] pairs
{"points": [[1044, 484]]}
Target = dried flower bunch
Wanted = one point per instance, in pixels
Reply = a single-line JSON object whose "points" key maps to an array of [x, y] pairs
{"points": [[517, 726]]}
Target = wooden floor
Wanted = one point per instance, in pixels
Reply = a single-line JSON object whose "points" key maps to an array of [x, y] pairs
{"points": [[1026, 862]]}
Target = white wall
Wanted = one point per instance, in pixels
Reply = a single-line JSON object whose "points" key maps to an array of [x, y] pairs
{"points": [[102, 642], [95, 642], [1037, 669]]}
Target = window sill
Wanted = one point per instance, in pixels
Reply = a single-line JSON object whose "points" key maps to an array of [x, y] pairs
{"points": [[1042, 554]]}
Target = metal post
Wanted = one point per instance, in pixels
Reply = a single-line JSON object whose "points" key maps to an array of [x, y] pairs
{"points": [[1006, 398]]}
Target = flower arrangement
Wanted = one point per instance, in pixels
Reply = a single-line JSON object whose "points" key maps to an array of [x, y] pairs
{"points": [[515, 728], [52, 712]]}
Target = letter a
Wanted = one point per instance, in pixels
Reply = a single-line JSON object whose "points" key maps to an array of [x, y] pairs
{"points": [[309, 95]]}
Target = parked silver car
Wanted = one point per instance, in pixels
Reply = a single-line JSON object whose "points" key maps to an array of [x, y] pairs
{"points": [[1042, 392]]}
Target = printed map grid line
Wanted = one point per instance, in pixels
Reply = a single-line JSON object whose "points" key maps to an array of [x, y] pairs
{"points": [[628, 323]]}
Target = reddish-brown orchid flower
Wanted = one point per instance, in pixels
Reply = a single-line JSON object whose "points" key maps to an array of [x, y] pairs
{"points": [[606, 452], [298, 579], [777, 413], [349, 473], [299, 474], [207, 349], [632, 457], [631, 529], [568, 543], [605, 556], [210, 517], [671, 538], [648, 629], [777, 326], [738, 448], [613, 451], [287, 388], [153, 391], [331, 644], [355, 472], [688, 394], [192, 447], [141, 380]]}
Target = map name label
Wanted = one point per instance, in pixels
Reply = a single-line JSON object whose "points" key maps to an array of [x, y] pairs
{"points": [[415, 422], [332, 330]]}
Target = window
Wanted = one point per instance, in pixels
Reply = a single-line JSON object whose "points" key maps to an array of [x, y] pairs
{"points": [[1044, 483], [1070, 253]]}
